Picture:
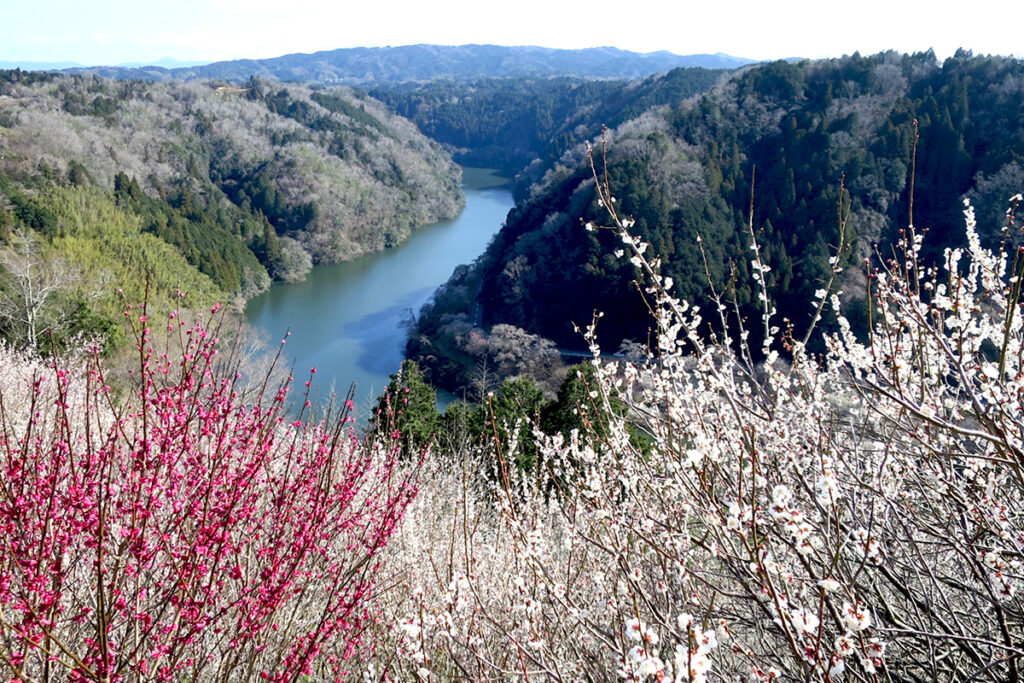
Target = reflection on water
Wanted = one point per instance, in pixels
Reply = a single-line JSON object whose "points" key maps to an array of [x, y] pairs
{"points": [[347, 320]]}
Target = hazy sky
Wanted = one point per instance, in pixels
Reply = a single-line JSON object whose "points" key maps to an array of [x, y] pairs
{"points": [[116, 31]]}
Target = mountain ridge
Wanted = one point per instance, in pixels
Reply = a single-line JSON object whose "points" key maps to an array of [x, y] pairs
{"points": [[200, 187], [833, 144], [426, 62]]}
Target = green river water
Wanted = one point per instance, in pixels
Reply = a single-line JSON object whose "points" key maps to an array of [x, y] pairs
{"points": [[346, 320]]}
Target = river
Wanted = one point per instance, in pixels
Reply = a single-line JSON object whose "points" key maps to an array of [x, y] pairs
{"points": [[347, 320]]}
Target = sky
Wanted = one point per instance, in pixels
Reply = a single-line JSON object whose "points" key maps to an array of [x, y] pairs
{"points": [[104, 32]]}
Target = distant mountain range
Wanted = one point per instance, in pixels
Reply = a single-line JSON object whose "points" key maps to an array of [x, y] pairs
{"points": [[382, 65], [37, 66], [165, 62]]}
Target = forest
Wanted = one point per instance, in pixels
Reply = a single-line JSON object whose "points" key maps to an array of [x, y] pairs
{"points": [[510, 124], [240, 185], [814, 156]]}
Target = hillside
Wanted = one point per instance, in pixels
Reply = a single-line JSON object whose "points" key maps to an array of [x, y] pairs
{"points": [[824, 137], [333, 170], [514, 123], [380, 65], [245, 183]]}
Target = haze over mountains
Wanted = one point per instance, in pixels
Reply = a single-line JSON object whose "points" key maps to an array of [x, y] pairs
{"points": [[430, 62], [26, 65]]}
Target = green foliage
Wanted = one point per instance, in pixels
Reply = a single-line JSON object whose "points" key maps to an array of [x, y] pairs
{"points": [[78, 174], [816, 149], [108, 242], [82, 322], [32, 213], [340, 105], [97, 261], [20, 77], [80, 104], [780, 81], [507, 123], [511, 416], [6, 221], [576, 407], [255, 190], [268, 250], [201, 232], [407, 410]]}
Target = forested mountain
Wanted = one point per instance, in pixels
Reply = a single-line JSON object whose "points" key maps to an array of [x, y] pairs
{"points": [[430, 62], [512, 123], [243, 184], [823, 136]]}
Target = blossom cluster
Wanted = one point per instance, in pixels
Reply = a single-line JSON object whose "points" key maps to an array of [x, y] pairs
{"points": [[854, 515], [174, 529], [857, 515]]}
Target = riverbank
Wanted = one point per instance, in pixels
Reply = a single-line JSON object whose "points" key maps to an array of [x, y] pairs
{"points": [[349, 320]]}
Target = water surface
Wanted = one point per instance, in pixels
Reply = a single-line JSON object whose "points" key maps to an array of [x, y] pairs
{"points": [[348, 320]]}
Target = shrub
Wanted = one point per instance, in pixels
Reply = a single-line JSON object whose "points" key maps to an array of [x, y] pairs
{"points": [[186, 532]]}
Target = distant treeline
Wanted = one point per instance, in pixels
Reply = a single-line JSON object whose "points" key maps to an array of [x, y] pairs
{"points": [[420, 63]]}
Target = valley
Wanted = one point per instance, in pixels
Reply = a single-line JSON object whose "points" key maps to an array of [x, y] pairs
{"points": [[351, 320], [790, 447]]}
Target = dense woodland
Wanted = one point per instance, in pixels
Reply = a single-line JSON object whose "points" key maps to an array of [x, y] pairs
{"points": [[512, 124], [202, 187], [828, 147]]}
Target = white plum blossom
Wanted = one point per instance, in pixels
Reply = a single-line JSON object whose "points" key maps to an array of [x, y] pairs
{"points": [[804, 620], [749, 515], [855, 617]]}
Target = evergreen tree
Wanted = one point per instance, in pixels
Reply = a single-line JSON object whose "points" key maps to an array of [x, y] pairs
{"points": [[407, 409], [514, 412]]}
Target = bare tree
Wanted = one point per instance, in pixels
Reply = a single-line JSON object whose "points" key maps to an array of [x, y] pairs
{"points": [[29, 288]]}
